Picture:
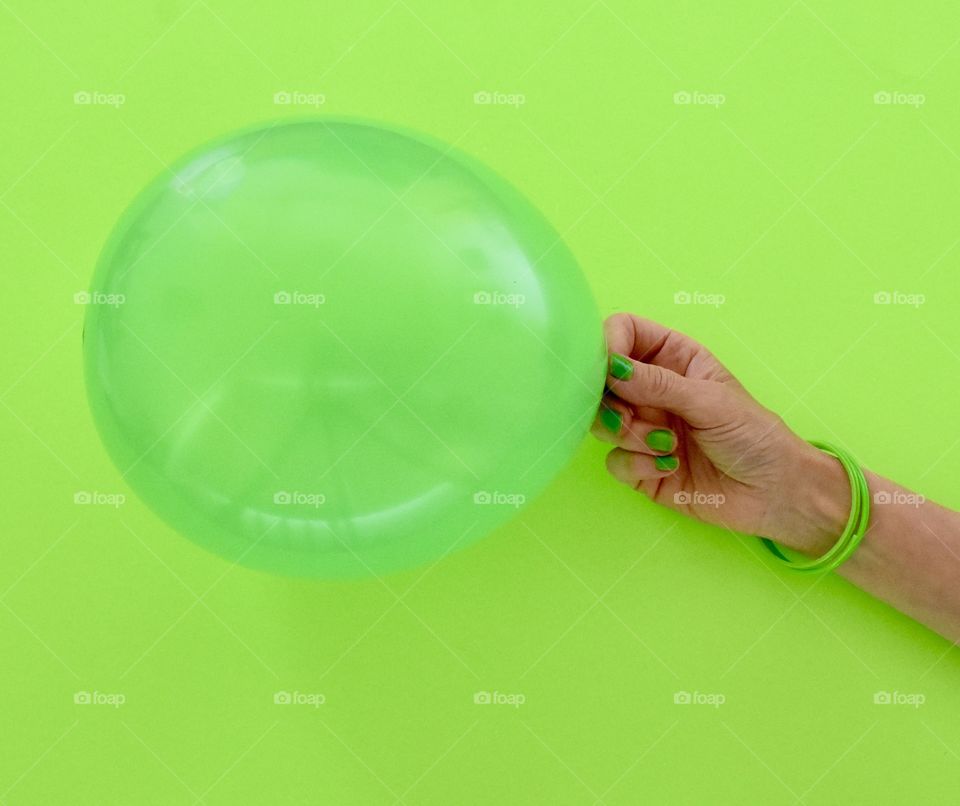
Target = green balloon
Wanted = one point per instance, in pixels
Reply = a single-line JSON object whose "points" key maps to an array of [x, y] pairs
{"points": [[331, 348]]}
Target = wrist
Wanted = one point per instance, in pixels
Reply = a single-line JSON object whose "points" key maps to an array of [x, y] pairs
{"points": [[816, 500]]}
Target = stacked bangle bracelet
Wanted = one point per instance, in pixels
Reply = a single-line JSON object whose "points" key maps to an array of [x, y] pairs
{"points": [[856, 524]]}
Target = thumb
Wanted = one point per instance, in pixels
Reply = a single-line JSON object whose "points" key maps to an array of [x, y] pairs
{"points": [[651, 385]]}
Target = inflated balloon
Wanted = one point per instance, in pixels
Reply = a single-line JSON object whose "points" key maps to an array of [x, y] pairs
{"points": [[330, 348]]}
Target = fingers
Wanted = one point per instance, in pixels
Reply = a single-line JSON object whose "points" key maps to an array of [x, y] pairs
{"points": [[645, 340], [635, 468], [657, 387], [617, 424], [655, 367]]}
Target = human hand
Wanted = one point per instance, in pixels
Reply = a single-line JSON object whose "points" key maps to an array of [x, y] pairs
{"points": [[690, 437]]}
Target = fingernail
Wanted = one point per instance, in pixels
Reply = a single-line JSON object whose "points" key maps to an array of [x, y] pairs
{"points": [[620, 367], [666, 462], [612, 420], [660, 440]]}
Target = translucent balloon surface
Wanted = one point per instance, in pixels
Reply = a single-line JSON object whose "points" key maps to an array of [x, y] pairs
{"points": [[329, 348]]}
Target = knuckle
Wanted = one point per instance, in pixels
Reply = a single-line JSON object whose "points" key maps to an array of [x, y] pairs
{"points": [[616, 318], [659, 383]]}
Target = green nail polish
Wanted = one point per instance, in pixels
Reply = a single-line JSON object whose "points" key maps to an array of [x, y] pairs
{"points": [[612, 420], [666, 462], [620, 367], [660, 440]]}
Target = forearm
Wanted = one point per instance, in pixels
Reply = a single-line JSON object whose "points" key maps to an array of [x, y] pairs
{"points": [[910, 554], [910, 557]]}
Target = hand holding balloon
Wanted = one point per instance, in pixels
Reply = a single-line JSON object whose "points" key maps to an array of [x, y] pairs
{"points": [[738, 465], [691, 438]]}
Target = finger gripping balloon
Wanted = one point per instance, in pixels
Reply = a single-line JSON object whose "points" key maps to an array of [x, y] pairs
{"points": [[329, 348]]}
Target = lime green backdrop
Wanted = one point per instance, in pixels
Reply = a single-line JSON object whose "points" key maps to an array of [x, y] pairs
{"points": [[780, 179]]}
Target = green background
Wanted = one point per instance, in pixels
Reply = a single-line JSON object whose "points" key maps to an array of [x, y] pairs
{"points": [[798, 199]]}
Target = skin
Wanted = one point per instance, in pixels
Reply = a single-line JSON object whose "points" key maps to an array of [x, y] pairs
{"points": [[773, 483]]}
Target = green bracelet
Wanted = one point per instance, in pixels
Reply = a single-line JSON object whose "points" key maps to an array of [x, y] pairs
{"points": [[856, 524]]}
